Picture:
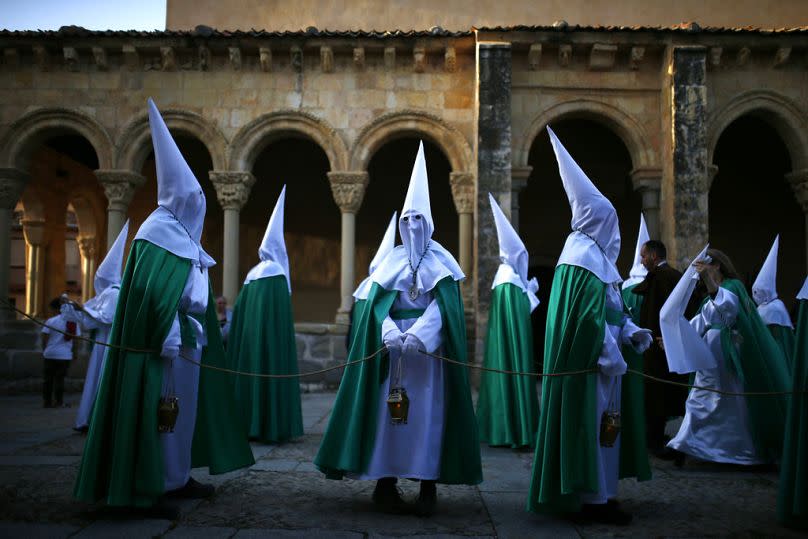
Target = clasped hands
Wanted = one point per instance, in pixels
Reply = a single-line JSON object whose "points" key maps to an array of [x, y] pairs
{"points": [[404, 343]]}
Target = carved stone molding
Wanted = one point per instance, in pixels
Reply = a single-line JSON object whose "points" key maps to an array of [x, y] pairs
{"points": [[168, 59], [636, 57], [265, 59], [564, 55], [359, 57], [463, 191], [12, 184], [326, 59], [519, 177], [232, 187], [119, 187], [450, 60], [419, 59], [235, 58], [390, 57], [348, 189], [602, 56], [71, 58], [100, 57], [799, 184], [534, 56]]}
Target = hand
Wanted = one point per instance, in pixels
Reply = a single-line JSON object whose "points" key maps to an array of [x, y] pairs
{"points": [[707, 273], [393, 340], [170, 352], [660, 342], [642, 339], [412, 344]]}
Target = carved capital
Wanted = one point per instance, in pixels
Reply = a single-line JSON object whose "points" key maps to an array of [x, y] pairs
{"points": [[34, 231], [119, 187], [265, 59], [648, 182], [12, 183], [798, 180], [519, 177], [463, 191], [232, 187], [348, 189], [235, 58], [326, 59], [86, 246]]}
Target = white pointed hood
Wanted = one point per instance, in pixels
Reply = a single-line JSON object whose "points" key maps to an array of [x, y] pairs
{"points": [[418, 249], [764, 291], [685, 349], [109, 271], [638, 271], [274, 260], [513, 257], [594, 243], [388, 244], [803, 293], [107, 281], [176, 224]]}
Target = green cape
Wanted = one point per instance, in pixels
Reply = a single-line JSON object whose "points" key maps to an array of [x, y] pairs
{"points": [[785, 339], [347, 445], [262, 340], [792, 499], [760, 366], [508, 408], [633, 447], [122, 462], [565, 461]]}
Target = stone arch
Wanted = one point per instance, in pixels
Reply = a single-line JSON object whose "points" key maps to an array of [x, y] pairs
{"points": [[258, 134], [627, 128], [407, 122], [135, 144], [781, 113], [28, 132]]}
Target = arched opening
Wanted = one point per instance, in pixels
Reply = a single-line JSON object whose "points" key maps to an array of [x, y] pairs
{"points": [[16, 277], [61, 202], [145, 199], [750, 186], [544, 214], [311, 223], [389, 174]]}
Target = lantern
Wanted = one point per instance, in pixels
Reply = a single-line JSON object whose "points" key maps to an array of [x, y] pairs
{"points": [[609, 428], [167, 412], [399, 405]]}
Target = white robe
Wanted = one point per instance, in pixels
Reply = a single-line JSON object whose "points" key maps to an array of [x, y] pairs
{"points": [[716, 427], [184, 377], [612, 367], [412, 450]]}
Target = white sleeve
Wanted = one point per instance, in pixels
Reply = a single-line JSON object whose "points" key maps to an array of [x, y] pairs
{"points": [[627, 336], [173, 341], [387, 326], [428, 326], [723, 310], [610, 360]]}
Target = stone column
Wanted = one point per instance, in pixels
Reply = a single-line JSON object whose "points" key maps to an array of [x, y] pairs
{"points": [[648, 182], [120, 187], [519, 177], [12, 183], [87, 249], [493, 167], [689, 151], [348, 189], [463, 194], [799, 183], [34, 232], [232, 191]]}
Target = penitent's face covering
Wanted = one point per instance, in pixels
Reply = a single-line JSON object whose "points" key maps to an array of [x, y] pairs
{"points": [[415, 232]]}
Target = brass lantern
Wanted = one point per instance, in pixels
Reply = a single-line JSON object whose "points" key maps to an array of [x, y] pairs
{"points": [[609, 428], [399, 405], [167, 412]]}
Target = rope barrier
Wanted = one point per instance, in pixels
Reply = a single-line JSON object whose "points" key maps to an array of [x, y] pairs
{"points": [[382, 349]]}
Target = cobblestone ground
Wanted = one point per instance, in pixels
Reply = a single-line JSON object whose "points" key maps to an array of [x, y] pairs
{"points": [[282, 495]]}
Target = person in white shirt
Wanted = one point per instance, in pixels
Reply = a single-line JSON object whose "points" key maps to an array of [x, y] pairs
{"points": [[57, 352]]}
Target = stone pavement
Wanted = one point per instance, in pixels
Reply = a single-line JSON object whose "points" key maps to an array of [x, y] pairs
{"points": [[283, 496]]}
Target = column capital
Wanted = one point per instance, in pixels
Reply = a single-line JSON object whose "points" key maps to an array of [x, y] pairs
{"points": [[519, 177], [646, 179], [34, 231], [86, 246], [232, 187], [119, 186], [798, 180], [463, 187], [12, 184], [348, 189]]}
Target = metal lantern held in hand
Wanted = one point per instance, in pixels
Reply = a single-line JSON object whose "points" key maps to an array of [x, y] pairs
{"points": [[609, 428], [167, 412], [399, 405]]}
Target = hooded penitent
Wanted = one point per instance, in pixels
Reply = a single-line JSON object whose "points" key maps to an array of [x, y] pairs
{"points": [[385, 247], [176, 224], [107, 280], [513, 257], [764, 291], [638, 271], [594, 243], [419, 251], [274, 260]]}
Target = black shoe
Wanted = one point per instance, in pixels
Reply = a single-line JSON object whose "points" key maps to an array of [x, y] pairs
{"points": [[427, 499], [193, 490], [669, 454], [605, 513], [387, 497], [82, 430]]}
